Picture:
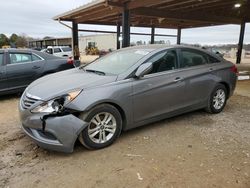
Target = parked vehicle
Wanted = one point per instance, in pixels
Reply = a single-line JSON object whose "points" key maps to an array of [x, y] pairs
{"points": [[18, 68], [123, 90], [60, 51]]}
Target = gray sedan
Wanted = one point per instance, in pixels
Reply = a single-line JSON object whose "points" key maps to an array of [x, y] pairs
{"points": [[123, 90], [20, 67]]}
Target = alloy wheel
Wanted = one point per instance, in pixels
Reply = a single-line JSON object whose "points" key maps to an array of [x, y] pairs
{"points": [[102, 127], [219, 99]]}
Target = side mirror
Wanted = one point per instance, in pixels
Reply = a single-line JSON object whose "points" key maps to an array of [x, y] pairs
{"points": [[143, 69]]}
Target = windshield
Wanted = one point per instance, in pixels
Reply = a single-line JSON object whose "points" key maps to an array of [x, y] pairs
{"points": [[117, 62]]}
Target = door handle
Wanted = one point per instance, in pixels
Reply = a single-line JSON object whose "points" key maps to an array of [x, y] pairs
{"points": [[177, 79], [210, 69], [35, 67]]}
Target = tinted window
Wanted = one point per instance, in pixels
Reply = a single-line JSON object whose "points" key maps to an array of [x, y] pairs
{"points": [[212, 59], [19, 58], [164, 61], [1, 59], [192, 58], [35, 58], [66, 49], [49, 51], [57, 50]]}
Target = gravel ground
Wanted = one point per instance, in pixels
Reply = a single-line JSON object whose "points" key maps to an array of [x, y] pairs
{"points": [[192, 150]]}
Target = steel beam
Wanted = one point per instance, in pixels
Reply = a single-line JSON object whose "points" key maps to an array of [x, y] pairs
{"points": [[241, 40], [118, 33], [133, 33], [152, 35], [75, 41], [125, 27], [179, 36]]}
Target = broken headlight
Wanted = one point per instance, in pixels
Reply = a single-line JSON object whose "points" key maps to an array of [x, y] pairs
{"points": [[57, 104]]}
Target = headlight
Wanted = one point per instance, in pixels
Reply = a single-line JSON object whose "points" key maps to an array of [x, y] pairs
{"points": [[72, 95], [56, 105]]}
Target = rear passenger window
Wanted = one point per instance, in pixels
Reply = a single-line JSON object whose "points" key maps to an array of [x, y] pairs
{"points": [[57, 50], [192, 58], [19, 58], [164, 61], [1, 59], [212, 59], [35, 58], [66, 49]]}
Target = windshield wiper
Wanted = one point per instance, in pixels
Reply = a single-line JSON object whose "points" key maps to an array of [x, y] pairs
{"points": [[95, 71], [82, 67]]}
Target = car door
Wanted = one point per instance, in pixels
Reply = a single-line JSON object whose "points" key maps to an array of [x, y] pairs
{"points": [[20, 69], [3, 84], [161, 91], [57, 52], [197, 71], [38, 64]]}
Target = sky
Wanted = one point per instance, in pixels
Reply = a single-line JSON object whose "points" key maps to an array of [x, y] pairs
{"points": [[34, 18]]}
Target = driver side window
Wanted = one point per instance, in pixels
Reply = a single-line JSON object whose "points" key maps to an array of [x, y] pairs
{"points": [[164, 61]]}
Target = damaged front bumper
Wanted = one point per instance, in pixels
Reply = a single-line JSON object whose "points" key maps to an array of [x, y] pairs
{"points": [[57, 133]]}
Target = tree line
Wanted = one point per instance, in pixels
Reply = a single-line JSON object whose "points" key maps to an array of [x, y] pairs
{"points": [[14, 41]]}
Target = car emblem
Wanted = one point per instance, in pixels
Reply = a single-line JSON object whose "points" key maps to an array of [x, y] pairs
{"points": [[33, 96]]}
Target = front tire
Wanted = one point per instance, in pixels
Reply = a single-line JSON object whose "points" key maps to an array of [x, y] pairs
{"points": [[105, 125], [217, 99]]}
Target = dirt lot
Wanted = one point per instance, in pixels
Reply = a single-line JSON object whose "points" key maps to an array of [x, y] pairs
{"points": [[192, 150]]}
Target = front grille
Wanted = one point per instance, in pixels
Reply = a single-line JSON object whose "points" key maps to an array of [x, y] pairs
{"points": [[28, 101]]}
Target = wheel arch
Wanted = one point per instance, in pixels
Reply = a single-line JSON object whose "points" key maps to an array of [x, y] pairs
{"points": [[117, 106], [227, 88]]}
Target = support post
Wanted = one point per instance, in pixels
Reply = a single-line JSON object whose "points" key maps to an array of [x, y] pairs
{"points": [[118, 33], [125, 27], [179, 36], [241, 40], [152, 35], [75, 42]]}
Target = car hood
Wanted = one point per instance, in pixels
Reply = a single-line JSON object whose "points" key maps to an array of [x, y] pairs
{"points": [[60, 83]]}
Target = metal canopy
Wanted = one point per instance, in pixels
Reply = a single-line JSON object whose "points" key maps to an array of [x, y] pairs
{"points": [[161, 13], [174, 14]]}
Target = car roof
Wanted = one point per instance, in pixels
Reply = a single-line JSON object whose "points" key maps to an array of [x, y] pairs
{"points": [[58, 47], [152, 47], [18, 50], [42, 54], [158, 47]]}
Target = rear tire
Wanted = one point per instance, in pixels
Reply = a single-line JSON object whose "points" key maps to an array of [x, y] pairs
{"points": [[105, 125], [217, 99]]}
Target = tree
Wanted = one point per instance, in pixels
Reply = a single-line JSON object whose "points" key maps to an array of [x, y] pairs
{"points": [[3, 40], [21, 42], [13, 40]]}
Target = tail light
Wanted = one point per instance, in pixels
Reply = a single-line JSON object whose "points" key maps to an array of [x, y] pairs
{"points": [[70, 61], [234, 69]]}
